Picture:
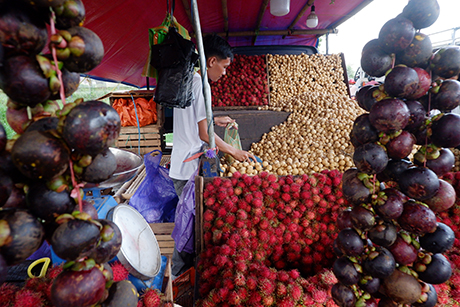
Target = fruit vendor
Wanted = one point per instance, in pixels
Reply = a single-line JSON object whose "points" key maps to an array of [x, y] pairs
{"points": [[191, 132]]}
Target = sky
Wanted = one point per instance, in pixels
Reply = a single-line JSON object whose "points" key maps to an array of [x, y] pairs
{"points": [[358, 30]]}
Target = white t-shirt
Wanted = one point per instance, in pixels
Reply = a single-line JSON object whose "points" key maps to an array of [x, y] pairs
{"points": [[186, 138]]}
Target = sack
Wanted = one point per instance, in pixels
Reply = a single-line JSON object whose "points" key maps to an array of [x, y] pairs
{"points": [[175, 60], [232, 137], [157, 36], [184, 228], [146, 111], [155, 198]]}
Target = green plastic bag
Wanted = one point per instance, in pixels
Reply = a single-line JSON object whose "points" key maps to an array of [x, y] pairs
{"points": [[232, 137], [157, 36]]}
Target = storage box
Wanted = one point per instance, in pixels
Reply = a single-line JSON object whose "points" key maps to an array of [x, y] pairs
{"points": [[184, 288], [144, 139], [141, 140]]}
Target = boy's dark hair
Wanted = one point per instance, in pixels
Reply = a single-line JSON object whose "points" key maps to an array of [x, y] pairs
{"points": [[214, 45]]}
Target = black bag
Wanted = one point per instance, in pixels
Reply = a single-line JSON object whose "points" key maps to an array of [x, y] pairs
{"points": [[174, 59]]}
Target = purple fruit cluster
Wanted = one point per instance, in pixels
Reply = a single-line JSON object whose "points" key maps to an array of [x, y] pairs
{"points": [[390, 246], [56, 150]]}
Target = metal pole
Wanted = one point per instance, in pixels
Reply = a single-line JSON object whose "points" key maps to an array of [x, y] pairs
{"points": [[204, 77]]}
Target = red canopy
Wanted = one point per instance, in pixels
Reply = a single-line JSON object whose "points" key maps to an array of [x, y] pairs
{"points": [[123, 27]]}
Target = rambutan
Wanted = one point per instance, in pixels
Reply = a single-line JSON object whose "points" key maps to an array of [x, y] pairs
{"points": [[236, 175], [54, 271], [275, 185], [256, 180], [266, 286], [230, 218], [210, 187], [320, 296], [285, 188], [281, 290], [272, 177], [309, 203], [240, 279], [210, 201], [151, 297], [293, 227], [283, 276], [208, 215], [257, 202], [247, 179], [286, 197], [269, 191], [296, 291], [254, 299], [222, 293], [316, 198], [268, 300], [221, 260], [119, 271], [238, 190], [294, 274], [217, 181], [27, 298]]}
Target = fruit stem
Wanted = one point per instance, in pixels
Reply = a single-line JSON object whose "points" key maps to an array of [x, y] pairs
{"points": [[53, 51], [76, 187]]}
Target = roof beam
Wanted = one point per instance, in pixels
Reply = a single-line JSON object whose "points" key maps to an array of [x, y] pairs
{"points": [[279, 32], [225, 14], [262, 10]]}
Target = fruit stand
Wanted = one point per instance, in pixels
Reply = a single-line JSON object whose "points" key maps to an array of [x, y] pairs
{"points": [[353, 202]]}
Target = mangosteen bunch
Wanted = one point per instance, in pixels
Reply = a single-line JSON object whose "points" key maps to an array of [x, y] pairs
{"points": [[390, 246], [56, 152]]}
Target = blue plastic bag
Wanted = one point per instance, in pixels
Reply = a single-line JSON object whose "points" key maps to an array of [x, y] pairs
{"points": [[155, 198], [184, 227]]}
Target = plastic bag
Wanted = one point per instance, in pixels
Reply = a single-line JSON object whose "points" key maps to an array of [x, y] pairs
{"points": [[175, 60], [232, 137], [155, 198], [184, 228], [146, 111]]}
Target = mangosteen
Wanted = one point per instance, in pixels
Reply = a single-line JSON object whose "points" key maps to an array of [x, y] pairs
{"points": [[447, 96], [402, 287], [71, 81], [445, 129], [439, 241], [358, 187], [379, 262], [444, 198], [417, 218], [349, 242], [402, 81], [48, 204], [122, 294], [75, 239], [371, 96], [370, 158], [21, 30], [417, 115], [429, 297], [362, 218], [383, 233], [433, 269], [418, 53], [419, 183], [389, 203], [441, 165], [363, 132], [70, 13], [445, 62], [39, 155], [91, 127], [423, 13], [26, 235], [394, 168], [17, 199], [370, 284], [101, 168], [343, 295], [396, 34], [400, 145], [359, 96], [403, 250], [44, 124], [86, 49], [78, 288], [345, 271], [376, 62], [389, 115], [110, 242], [344, 219], [424, 84], [24, 81], [6, 187]]}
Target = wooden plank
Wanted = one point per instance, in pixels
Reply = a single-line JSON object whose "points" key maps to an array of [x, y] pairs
{"points": [[145, 129], [148, 136], [135, 143], [162, 228], [143, 150], [167, 251], [199, 240], [345, 73], [161, 237]]}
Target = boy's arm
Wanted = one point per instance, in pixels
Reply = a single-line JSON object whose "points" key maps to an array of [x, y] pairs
{"points": [[238, 154]]}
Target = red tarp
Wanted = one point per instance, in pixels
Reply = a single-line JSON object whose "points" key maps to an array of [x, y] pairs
{"points": [[123, 27]]}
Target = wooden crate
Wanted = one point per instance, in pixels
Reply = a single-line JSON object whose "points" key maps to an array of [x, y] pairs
{"points": [[162, 233], [143, 139]]}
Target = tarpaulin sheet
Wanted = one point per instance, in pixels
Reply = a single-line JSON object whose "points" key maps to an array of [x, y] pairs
{"points": [[123, 27]]}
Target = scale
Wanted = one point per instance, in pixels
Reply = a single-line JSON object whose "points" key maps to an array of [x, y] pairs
{"points": [[128, 164]]}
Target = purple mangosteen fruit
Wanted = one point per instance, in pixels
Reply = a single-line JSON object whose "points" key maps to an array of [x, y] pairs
{"points": [[445, 62], [402, 81], [445, 130], [447, 96], [417, 218], [423, 13], [418, 53], [419, 183], [396, 34], [389, 115]]}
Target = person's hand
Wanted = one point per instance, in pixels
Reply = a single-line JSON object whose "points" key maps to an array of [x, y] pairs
{"points": [[242, 156], [223, 121]]}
